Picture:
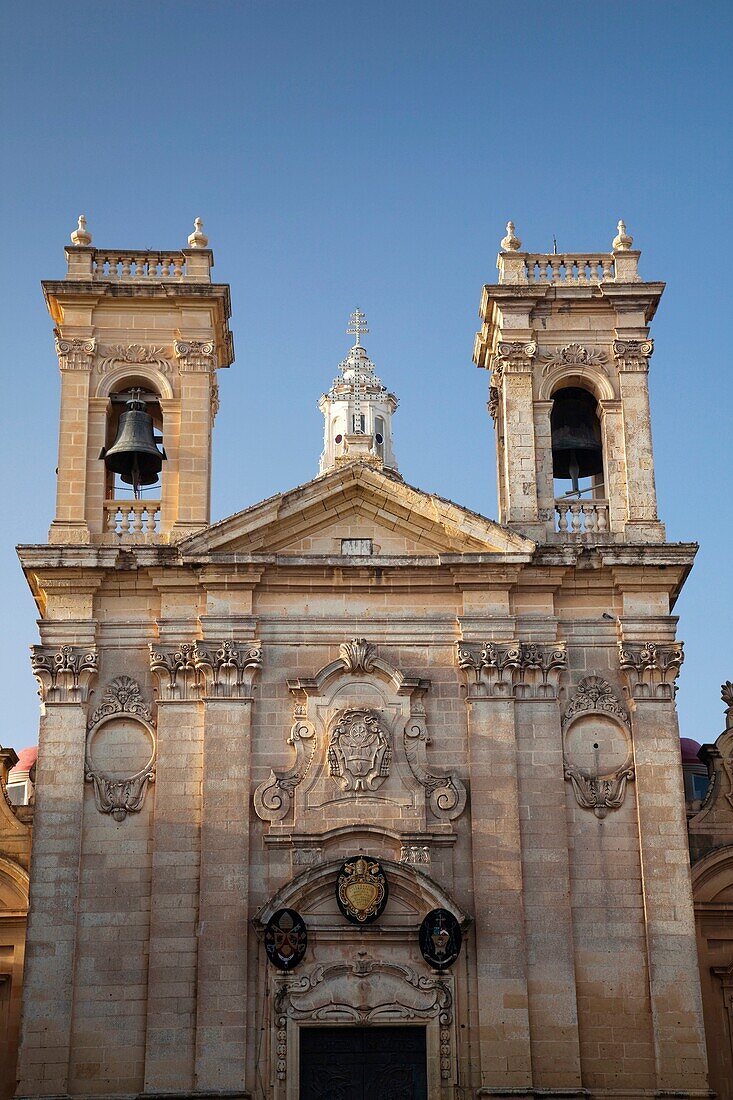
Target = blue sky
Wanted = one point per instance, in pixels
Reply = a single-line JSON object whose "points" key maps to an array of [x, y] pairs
{"points": [[371, 153]]}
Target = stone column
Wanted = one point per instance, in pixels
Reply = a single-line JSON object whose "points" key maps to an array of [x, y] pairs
{"points": [[229, 671], [64, 676], [197, 365], [553, 1010], [674, 984], [632, 359], [615, 489], [172, 972], [511, 376], [76, 356], [504, 1040]]}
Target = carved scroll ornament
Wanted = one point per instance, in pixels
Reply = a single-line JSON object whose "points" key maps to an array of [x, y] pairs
{"points": [[446, 793], [76, 353], [273, 798], [364, 991], [120, 797]]}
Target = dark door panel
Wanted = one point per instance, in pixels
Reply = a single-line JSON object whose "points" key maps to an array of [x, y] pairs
{"points": [[363, 1063]]}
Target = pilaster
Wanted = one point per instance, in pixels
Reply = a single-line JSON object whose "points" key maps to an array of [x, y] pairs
{"points": [[632, 360], [511, 375], [650, 670], [76, 357], [64, 677], [229, 670], [173, 963], [501, 962]]}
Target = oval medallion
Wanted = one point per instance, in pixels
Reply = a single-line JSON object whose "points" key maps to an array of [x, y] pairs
{"points": [[440, 938], [361, 890], [286, 939]]}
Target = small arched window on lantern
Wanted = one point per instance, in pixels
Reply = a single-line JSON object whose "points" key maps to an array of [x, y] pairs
{"points": [[379, 435], [577, 450]]}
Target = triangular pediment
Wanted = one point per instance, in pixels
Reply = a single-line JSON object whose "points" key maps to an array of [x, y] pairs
{"points": [[356, 502]]}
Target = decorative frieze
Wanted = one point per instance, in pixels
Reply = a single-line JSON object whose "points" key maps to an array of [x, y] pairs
{"points": [[195, 355], [64, 675], [417, 855], [633, 355], [307, 857], [527, 670], [134, 353], [651, 668], [229, 671], [76, 353], [597, 746], [575, 355]]}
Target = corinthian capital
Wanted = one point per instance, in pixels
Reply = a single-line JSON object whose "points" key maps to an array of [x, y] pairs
{"points": [[75, 354], [64, 675], [179, 678], [633, 355], [229, 671], [651, 668]]}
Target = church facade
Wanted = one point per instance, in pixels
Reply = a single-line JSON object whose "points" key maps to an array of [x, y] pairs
{"points": [[357, 792]]}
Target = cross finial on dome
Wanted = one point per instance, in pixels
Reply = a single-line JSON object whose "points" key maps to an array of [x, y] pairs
{"points": [[357, 325]]}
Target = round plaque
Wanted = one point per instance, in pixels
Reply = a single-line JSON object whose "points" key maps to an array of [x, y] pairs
{"points": [[286, 939], [361, 890], [440, 938]]}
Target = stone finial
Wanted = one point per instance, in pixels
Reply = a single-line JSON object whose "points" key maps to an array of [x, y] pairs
{"points": [[198, 238], [81, 237], [511, 243], [726, 694], [622, 242]]}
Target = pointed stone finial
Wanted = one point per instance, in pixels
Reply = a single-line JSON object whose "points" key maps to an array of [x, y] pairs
{"points": [[511, 243], [81, 237], [198, 238], [622, 242]]}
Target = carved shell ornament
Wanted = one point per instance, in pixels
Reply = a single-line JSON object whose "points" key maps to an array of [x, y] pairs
{"points": [[572, 355]]}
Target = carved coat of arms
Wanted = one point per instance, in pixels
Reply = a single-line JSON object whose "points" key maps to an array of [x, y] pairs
{"points": [[359, 752], [361, 890]]}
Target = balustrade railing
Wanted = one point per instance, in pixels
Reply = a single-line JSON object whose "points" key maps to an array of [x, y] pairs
{"points": [[132, 519], [581, 517], [129, 264], [570, 267]]}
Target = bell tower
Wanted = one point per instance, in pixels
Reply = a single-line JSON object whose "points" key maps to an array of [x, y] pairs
{"points": [[139, 337], [566, 338]]}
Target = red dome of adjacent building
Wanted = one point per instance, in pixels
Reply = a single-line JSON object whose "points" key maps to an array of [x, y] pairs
{"points": [[689, 750], [26, 760]]}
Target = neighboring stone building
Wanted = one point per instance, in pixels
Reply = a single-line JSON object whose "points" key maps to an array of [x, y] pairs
{"points": [[360, 703]]}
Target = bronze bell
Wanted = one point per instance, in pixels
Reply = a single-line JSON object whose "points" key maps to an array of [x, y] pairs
{"points": [[134, 454], [576, 435]]}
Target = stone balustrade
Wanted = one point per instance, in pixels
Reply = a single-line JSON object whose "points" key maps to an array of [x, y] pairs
{"points": [[131, 519], [569, 267], [126, 264], [581, 517], [123, 265]]}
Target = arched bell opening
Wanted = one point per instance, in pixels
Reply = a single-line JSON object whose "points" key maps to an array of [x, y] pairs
{"points": [[577, 450], [134, 457], [578, 462]]}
